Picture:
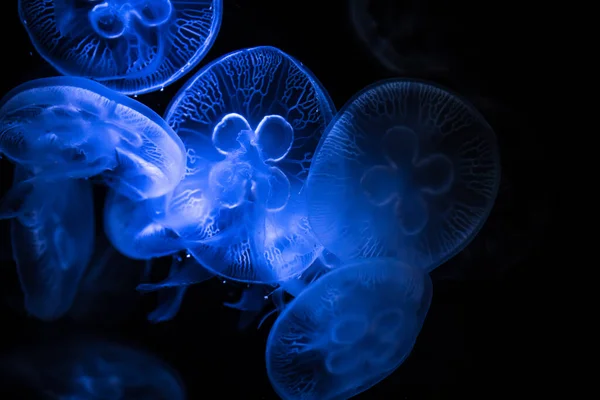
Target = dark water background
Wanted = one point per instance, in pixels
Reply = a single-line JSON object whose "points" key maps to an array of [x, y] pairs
{"points": [[479, 334]]}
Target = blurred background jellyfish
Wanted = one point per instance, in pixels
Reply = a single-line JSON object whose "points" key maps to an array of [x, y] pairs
{"points": [[348, 330], [52, 235], [134, 46], [405, 37], [87, 368], [66, 127], [250, 122], [407, 170]]}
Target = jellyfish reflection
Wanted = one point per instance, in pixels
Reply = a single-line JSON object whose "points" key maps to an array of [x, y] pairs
{"points": [[84, 368]]}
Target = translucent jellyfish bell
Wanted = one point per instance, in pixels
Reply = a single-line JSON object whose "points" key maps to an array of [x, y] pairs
{"points": [[407, 170], [251, 122], [132, 229], [133, 46], [67, 127], [52, 235], [348, 330]]}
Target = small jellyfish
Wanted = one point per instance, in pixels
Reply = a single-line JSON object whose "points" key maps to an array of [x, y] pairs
{"points": [[250, 122], [52, 235], [76, 368], [348, 330], [65, 127], [407, 170], [132, 46]]}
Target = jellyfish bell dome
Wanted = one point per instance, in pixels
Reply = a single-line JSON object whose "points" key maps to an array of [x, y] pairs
{"points": [[407, 170], [70, 127], [348, 330], [132, 46], [251, 122], [52, 234]]}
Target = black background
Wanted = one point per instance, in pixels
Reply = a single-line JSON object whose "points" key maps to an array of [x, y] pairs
{"points": [[479, 335]]}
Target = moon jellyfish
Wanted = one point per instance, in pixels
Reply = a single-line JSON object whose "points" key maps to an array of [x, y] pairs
{"points": [[348, 330], [132, 230], [67, 127], [407, 170], [133, 46], [85, 368], [52, 235], [250, 122]]}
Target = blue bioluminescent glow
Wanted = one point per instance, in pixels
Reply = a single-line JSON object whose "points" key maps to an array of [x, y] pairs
{"points": [[52, 235], [407, 170], [84, 368], [130, 227], [66, 127], [132, 46], [250, 122], [348, 330]]}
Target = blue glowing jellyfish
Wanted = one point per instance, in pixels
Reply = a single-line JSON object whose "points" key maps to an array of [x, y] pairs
{"points": [[67, 127], [52, 235], [78, 368], [132, 46], [132, 230], [250, 122], [407, 170], [348, 330]]}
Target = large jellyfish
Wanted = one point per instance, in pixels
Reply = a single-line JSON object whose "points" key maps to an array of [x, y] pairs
{"points": [[348, 330], [87, 368], [133, 46], [52, 235], [66, 127], [250, 122], [407, 170]]}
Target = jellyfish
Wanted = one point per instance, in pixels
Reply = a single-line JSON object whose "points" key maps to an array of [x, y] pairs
{"points": [[250, 122], [52, 235], [89, 368], [134, 46], [348, 330], [132, 229], [408, 170], [406, 38], [66, 127]]}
